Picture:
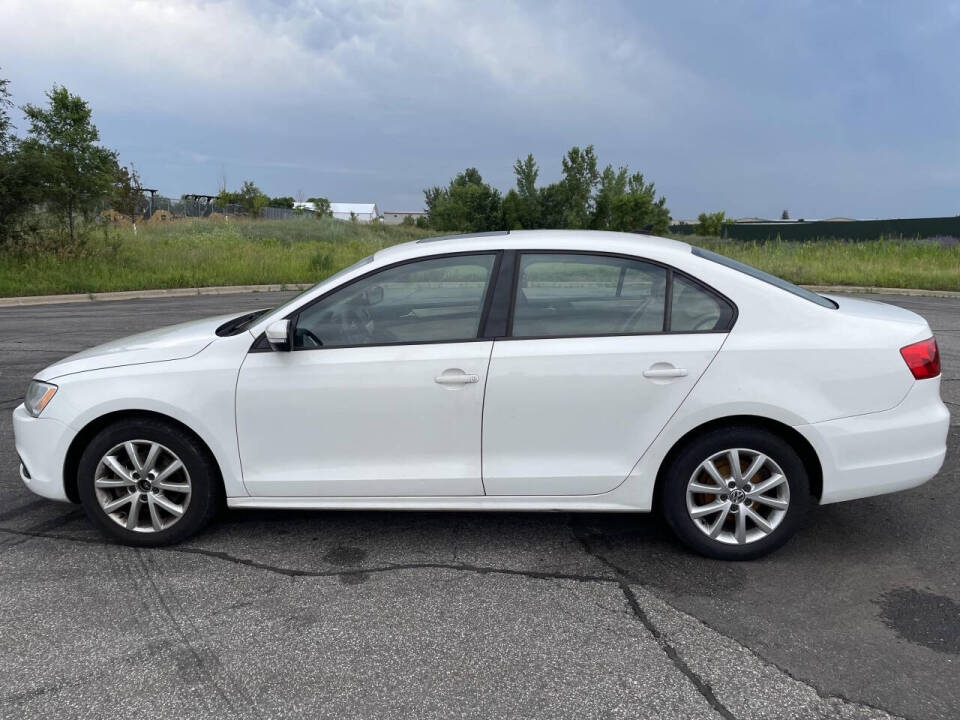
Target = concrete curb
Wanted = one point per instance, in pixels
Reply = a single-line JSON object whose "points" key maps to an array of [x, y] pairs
{"points": [[865, 290], [235, 289], [137, 294]]}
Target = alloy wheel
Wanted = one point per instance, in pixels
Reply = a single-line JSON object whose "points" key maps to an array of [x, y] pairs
{"points": [[142, 486], [738, 496]]}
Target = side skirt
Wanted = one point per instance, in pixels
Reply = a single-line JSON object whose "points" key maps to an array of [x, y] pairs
{"points": [[582, 503]]}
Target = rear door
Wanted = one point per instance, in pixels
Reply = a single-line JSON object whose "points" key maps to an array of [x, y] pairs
{"points": [[601, 351]]}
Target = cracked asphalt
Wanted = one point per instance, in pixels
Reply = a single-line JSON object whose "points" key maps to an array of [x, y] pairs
{"points": [[361, 614]]}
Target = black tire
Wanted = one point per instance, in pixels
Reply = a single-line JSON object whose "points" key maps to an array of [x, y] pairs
{"points": [[204, 476], [673, 495]]}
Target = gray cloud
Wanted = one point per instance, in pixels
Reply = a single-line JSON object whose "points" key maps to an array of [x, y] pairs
{"points": [[747, 106]]}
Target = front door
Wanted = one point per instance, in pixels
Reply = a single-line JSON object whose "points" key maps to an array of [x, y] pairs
{"points": [[382, 394]]}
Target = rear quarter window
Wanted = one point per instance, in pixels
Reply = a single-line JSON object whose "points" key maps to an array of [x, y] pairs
{"points": [[765, 277]]}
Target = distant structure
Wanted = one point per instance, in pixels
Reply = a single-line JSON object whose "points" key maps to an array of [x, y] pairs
{"points": [[364, 212], [397, 218], [361, 212]]}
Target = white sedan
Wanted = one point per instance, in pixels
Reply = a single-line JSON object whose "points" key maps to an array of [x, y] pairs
{"points": [[539, 370]]}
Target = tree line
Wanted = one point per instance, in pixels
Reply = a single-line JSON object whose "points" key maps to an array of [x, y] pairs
{"points": [[585, 197], [58, 177]]}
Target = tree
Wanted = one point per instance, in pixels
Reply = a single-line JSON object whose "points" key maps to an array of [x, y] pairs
{"points": [[525, 202], [638, 209], [580, 177], [75, 173], [785, 215], [127, 193], [252, 199], [17, 184], [281, 202], [321, 205], [467, 205], [6, 125], [612, 186], [711, 223]]}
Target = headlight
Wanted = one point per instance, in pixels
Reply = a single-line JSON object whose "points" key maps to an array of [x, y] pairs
{"points": [[39, 394]]}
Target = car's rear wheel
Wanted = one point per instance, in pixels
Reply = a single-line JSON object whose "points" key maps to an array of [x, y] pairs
{"points": [[146, 482], [736, 493]]}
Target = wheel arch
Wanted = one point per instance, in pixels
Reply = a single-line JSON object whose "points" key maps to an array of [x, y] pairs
{"points": [[808, 455], [79, 443]]}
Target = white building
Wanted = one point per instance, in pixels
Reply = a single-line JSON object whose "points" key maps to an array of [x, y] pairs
{"points": [[364, 212], [397, 218]]}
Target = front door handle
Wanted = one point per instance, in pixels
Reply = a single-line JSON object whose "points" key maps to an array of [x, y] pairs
{"points": [[664, 372], [456, 377]]}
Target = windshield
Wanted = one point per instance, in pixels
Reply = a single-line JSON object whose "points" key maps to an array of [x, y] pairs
{"points": [[766, 277]]}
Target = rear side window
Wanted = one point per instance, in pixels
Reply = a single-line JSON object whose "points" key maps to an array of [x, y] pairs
{"points": [[766, 277], [565, 295]]}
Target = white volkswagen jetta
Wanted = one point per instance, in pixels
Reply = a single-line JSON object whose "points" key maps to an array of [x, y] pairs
{"points": [[507, 371]]}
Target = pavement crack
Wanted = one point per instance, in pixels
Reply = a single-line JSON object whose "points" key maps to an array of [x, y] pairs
{"points": [[622, 577], [671, 652], [300, 572]]}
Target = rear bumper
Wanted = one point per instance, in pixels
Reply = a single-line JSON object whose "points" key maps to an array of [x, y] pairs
{"points": [[882, 452], [42, 445]]}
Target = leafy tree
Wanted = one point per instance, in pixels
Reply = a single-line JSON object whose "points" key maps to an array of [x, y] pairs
{"points": [[785, 215], [638, 209], [467, 205], [6, 125], [75, 173], [612, 186], [527, 197], [321, 206], [17, 184], [281, 202], [711, 223], [251, 198], [580, 177], [127, 193]]}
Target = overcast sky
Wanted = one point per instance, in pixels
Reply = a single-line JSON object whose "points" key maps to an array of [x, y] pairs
{"points": [[822, 107]]}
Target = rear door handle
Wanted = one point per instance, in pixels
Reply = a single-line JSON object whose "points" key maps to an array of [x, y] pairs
{"points": [[664, 372], [452, 377]]}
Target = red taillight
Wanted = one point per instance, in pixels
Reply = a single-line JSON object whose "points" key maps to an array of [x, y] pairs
{"points": [[923, 358]]}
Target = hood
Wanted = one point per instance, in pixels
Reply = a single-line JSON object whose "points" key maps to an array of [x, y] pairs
{"points": [[169, 343]]}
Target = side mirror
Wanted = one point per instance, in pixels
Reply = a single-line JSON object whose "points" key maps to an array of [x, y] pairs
{"points": [[278, 335]]}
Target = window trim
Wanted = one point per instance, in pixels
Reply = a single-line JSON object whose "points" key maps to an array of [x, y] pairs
{"points": [[668, 299], [294, 315]]}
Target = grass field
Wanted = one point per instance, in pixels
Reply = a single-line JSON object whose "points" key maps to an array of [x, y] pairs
{"points": [[197, 253]]}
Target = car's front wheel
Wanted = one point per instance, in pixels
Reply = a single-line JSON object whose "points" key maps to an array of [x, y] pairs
{"points": [[736, 493], [148, 483]]}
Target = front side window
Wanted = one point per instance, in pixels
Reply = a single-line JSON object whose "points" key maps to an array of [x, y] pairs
{"points": [[434, 300], [565, 295]]}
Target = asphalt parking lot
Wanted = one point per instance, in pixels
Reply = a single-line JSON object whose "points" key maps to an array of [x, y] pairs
{"points": [[363, 614]]}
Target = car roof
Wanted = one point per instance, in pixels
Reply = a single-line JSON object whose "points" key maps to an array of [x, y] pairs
{"points": [[583, 240]]}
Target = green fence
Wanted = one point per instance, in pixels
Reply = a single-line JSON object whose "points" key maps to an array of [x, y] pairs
{"points": [[845, 229]]}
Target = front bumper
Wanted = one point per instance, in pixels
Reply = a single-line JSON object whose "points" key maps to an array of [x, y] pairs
{"points": [[882, 452], [42, 445]]}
